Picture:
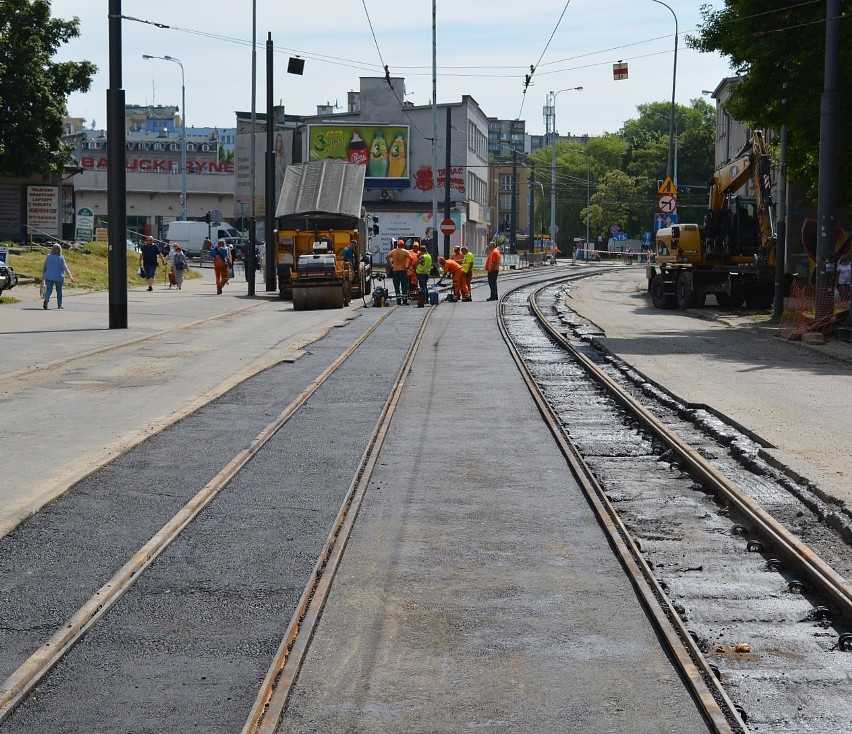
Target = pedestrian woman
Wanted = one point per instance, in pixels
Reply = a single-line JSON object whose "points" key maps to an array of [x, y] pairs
{"points": [[149, 257], [179, 265], [53, 274]]}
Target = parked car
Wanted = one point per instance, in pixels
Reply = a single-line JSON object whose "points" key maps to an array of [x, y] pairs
{"points": [[8, 279]]}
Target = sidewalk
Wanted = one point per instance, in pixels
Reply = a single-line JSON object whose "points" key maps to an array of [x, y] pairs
{"points": [[74, 393]]}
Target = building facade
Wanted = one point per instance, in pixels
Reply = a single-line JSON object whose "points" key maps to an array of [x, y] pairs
{"points": [[405, 176]]}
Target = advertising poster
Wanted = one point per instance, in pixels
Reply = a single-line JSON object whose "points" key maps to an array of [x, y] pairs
{"points": [[43, 210], [85, 225], [383, 149]]}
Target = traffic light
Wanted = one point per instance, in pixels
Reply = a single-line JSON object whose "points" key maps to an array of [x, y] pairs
{"points": [[207, 217]]}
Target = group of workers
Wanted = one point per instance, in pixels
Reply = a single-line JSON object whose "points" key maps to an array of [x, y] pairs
{"points": [[410, 269]]}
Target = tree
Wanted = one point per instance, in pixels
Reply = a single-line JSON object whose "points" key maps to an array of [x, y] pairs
{"points": [[779, 53], [33, 89], [578, 166], [647, 139], [620, 200]]}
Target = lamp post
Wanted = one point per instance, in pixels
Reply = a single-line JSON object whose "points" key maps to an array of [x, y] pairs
{"points": [[551, 113], [674, 81], [676, 136], [183, 127]]}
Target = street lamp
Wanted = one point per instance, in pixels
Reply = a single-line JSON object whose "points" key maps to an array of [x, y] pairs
{"points": [[674, 78], [183, 126], [551, 110]]}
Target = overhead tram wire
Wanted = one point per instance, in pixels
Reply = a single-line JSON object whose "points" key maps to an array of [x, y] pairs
{"points": [[375, 68], [529, 76]]}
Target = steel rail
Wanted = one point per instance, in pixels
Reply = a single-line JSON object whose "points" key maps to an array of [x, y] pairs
{"points": [[798, 554], [277, 686], [33, 670], [701, 681]]}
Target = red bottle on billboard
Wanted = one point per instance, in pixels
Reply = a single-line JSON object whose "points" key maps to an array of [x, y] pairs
{"points": [[358, 152]]}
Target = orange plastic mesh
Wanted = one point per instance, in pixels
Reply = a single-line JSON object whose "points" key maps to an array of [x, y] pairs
{"points": [[803, 304]]}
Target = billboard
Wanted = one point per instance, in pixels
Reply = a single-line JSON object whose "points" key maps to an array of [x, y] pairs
{"points": [[408, 226], [383, 149], [43, 210]]}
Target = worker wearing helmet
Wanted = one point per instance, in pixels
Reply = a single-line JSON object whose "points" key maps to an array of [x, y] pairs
{"points": [[413, 256], [398, 259], [456, 272]]}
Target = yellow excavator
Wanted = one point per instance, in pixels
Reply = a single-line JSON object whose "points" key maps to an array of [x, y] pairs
{"points": [[320, 259], [732, 256]]}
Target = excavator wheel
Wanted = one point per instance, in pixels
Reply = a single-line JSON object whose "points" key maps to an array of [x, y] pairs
{"points": [[659, 297], [759, 298], [685, 290]]}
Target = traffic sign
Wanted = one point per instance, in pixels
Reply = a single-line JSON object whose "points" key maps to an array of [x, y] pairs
{"points": [[619, 237], [448, 226], [667, 203], [619, 71], [667, 186], [664, 220], [613, 228]]}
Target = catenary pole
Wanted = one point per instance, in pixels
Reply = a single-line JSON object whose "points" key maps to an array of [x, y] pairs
{"points": [[827, 203], [116, 177]]}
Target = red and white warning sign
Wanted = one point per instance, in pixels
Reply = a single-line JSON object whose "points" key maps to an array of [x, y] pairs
{"points": [[619, 71]]}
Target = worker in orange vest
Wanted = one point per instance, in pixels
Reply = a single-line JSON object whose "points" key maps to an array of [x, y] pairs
{"points": [[456, 272], [492, 267], [413, 255]]}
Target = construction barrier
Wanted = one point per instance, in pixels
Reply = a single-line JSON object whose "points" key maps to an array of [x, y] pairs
{"points": [[802, 305]]}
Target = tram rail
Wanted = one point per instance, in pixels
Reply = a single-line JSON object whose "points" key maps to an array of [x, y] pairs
{"points": [[25, 679], [638, 411]]}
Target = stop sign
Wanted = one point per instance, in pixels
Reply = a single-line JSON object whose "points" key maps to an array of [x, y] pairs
{"points": [[448, 226]]}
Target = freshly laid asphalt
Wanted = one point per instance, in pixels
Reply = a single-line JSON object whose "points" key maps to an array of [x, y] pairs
{"points": [[57, 426]]}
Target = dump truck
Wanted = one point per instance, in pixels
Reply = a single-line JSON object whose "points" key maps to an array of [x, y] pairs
{"points": [[321, 236], [732, 255]]}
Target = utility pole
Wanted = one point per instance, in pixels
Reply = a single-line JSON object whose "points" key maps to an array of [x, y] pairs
{"points": [[447, 182], [513, 240], [827, 205], [116, 177], [532, 206]]}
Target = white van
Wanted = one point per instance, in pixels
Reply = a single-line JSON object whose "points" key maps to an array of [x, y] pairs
{"points": [[190, 236]]}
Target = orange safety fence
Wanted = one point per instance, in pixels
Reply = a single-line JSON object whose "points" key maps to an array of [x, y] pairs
{"points": [[803, 304]]}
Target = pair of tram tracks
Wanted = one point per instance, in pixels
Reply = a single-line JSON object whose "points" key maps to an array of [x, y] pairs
{"points": [[275, 688], [660, 474]]}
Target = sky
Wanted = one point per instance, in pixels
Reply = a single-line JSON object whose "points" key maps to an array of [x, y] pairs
{"points": [[484, 49]]}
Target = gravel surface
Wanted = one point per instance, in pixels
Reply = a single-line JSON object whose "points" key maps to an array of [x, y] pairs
{"points": [[797, 397]]}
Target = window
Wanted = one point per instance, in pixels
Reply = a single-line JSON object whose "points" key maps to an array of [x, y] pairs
{"points": [[505, 182], [190, 147]]}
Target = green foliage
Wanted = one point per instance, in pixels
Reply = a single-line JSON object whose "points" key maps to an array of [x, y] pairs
{"points": [[34, 89], [647, 138], [780, 53], [619, 199]]}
